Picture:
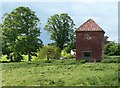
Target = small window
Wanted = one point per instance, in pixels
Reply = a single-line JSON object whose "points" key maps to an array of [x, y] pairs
{"points": [[87, 54]]}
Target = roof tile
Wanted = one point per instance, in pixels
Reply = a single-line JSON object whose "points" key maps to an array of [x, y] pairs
{"points": [[90, 25]]}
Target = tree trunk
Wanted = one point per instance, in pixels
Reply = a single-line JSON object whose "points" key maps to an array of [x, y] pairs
{"points": [[11, 59], [48, 59], [29, 56]]}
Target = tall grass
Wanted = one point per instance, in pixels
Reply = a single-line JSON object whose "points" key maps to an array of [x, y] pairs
{"points": [[59, 73]]}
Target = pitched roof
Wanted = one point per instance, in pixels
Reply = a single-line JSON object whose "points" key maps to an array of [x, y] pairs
{"points": [[89, 25]]}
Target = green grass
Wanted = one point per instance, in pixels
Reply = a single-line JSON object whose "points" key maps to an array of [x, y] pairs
{"points": [[25, 58], [59, 73]]}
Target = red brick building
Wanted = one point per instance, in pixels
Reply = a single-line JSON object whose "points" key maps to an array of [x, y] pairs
{"points": [[89, 41]]}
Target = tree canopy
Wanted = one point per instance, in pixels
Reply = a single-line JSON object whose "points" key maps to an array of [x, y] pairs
{"points": [[21, 33], [61, 28], [112, 48]]}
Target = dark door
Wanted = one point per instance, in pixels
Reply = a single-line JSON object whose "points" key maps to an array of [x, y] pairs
{"points": [[87, 55]]}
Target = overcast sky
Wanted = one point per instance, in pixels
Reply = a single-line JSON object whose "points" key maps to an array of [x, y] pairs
{"points": [[103, 13]]}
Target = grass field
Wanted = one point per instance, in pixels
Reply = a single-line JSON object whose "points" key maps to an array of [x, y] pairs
{"points": [[59, 73]]}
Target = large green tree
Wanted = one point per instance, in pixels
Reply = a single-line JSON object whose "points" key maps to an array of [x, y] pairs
{"points": [[21, 32], [107, 46], [112, 48], [61, 28]]}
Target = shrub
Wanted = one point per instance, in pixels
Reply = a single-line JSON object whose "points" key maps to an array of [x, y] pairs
{"points": [[111, 59], [72, 56], [49, 52], [106, 56], [66, 55], [112, 48]]}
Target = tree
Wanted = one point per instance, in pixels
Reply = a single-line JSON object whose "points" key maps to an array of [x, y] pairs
{"points": [[71, 45], [113, 49], [61, 29], [107, 46], [106, 40], [49, 52], [118, 50], [20, 32]]}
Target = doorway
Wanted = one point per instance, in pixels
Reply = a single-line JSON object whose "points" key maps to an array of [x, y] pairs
{"points": [[87, 55]]}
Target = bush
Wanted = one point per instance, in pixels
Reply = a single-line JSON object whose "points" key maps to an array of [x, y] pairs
{"points": [[72, 56], [111, 59], [106, 56], [66, 55], [49, 52], [112, 48]]}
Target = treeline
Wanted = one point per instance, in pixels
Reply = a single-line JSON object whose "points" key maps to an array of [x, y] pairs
{"points": [[21, 31]]}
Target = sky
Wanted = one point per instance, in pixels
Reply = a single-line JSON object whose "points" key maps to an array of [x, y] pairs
{"points": [[105, 14]]}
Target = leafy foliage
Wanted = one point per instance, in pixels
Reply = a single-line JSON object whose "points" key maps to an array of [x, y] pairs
{"points": [[106, 40], [112, 48], [66, 55], [111, 59], [61, 29], [20, 33], [49, 52]]}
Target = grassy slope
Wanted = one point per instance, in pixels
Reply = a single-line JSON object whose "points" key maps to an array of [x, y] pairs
{"points": [[67, 73]]}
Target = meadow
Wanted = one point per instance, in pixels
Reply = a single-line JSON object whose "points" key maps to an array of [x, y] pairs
{"points": [[59, 73]]}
